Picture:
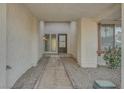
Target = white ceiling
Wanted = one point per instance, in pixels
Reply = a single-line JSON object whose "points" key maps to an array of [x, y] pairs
{"points": [[69, 12]]}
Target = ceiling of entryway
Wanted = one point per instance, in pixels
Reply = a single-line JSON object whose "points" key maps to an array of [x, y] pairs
{"points": [[68, 12]]}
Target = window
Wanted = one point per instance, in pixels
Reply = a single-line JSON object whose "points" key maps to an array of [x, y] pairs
{"points": [[47, 42], [118, 32], [109, 35], [53, 43], [50, 43]]}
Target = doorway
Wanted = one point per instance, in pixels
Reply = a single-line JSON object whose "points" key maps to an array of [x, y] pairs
{"points": [[62, 43]]}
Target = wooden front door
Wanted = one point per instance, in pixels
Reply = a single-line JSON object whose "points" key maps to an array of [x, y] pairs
{"points": [[62, 43]]}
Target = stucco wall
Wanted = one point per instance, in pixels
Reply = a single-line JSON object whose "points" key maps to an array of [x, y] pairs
{"points": [[73, 34], [78, 43], [2, 45], [87, 43], [22, 41], [41, 34], [35, 41]]}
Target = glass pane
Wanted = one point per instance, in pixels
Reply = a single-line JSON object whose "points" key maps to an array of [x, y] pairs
{"points": [[47, 42], [62, 41], [53, 43], [62, 44], [62, 38], [107, 36], [118, 32]]}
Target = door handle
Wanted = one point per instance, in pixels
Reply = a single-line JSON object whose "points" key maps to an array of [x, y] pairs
{"points": [[8, 67]]}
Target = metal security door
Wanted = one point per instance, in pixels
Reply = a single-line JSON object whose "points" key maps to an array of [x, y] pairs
{"points": [[62, 43]]}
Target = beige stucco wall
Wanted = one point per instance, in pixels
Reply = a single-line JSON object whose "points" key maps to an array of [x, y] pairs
{"points": [[78, 42], [87, 43], [35, 41], [3, 45], [73, 34], [41, 34], [22, 41]]}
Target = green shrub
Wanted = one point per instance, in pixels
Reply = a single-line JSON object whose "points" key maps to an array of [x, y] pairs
{"points": [[112, 57]]}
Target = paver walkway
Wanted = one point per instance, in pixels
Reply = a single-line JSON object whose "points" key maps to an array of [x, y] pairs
{"points": [[30, 77], [54, 76], [62, 72], [83, 78]]}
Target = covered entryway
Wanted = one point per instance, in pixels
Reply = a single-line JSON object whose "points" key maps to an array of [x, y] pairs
{"points": [[30, 31], [57, 37]]}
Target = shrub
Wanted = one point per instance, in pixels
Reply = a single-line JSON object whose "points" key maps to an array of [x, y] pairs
{"points": [[112, 57]]}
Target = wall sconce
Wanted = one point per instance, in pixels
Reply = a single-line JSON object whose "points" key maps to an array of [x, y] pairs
{"points": [[44, 38]]}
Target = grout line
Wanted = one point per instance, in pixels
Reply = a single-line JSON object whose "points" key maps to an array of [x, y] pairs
{"points": [[67, 74], [39, 79]]}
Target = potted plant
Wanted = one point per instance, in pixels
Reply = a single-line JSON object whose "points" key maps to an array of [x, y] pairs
{"points": [[112, 57]]}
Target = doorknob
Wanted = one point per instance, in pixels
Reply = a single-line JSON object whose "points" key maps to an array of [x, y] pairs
{"points": [[8, 67]]}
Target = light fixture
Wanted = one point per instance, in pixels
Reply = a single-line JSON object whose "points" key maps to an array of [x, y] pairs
{"points": [[44, 38]]}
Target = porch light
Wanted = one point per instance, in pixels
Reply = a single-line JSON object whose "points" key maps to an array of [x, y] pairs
{"points": [[44, 38]]}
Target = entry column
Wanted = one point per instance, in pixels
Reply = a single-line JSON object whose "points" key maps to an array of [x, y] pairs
{"points": [[122, 62], [3, 45]]}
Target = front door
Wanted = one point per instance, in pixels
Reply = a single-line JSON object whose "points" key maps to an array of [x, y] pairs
{"points": [[62, 43]]}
